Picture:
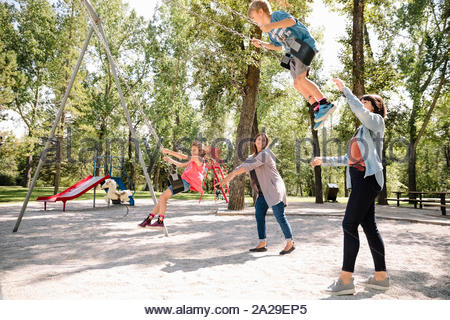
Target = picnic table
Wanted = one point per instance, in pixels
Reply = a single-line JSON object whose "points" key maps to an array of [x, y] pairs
{"points": [[439, 199]]}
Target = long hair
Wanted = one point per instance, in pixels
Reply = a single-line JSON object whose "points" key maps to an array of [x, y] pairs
{"points": [[265, 143], [377, 102], [201, 150]]}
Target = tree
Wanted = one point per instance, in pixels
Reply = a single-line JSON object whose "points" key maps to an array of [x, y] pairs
{"points": [[71, 31], [358, 48], [34, 44], [8, 76], [423, 65]]}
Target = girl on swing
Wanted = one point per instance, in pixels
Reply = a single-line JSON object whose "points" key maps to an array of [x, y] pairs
{"points": [[192, 178]]}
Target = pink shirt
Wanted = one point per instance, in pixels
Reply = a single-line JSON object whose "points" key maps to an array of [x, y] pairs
{"points": [[355, 159], [193, 174]]}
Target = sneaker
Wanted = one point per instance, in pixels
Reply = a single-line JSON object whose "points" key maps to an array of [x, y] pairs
{"points": [[319, 125], [146, 222], [374, 284], [324, 111], [159, 223], [337, 288]]}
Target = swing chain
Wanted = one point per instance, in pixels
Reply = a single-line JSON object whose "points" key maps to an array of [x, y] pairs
{"points": [[243, 16], [228, 29], [202, 17]]}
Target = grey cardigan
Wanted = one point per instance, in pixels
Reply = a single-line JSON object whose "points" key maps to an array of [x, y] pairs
{"points": [[369, 138], [272, 186]]}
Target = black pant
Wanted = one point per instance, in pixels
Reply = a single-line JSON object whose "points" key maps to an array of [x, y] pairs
{"points": [[361, 211]]}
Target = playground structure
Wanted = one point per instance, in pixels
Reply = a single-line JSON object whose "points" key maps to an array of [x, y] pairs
{"points": [[96, 26], [107, 163], [92, 181], [215, 165], [74, 191]]}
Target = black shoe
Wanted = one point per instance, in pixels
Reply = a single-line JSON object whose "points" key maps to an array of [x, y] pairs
{"points": [[262, 249], [287, 251]]}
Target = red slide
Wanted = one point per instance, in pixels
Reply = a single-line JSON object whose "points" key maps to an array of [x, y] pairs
{"points": [[74, 191]]}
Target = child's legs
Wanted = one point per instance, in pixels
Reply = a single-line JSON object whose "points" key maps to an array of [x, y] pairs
{"points": [[162, 203], [299, 72], [299, 85], [308, 88], [312, 88]]}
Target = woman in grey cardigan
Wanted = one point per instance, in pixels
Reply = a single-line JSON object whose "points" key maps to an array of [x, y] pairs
{"points": [[365, 178], [267, 181]]}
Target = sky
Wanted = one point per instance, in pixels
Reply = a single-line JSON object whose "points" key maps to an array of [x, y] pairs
{"points": [[332, 24]]}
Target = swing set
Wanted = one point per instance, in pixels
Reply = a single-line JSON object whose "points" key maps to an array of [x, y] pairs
{"points": [[214, 165]]}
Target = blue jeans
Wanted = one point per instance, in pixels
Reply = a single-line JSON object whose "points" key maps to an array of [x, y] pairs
{"points": [[186, 185], [261, 208]]}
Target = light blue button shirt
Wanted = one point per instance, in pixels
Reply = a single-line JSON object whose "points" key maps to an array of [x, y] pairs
{"points": [[370, 138]]}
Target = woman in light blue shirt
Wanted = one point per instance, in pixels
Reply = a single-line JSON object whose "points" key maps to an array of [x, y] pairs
{"points": [[365, 178]]}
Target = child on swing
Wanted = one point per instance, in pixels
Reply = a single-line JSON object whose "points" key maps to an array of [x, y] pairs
{"points": [[192, 178], [286, 31]]}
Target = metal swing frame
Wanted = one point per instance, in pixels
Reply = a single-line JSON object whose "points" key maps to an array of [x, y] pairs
{"points": [[96, 26]]}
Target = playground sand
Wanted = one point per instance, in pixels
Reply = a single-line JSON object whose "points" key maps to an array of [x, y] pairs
{"points": [[88, 253]]}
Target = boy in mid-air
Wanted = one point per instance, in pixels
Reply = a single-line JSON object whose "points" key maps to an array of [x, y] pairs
{"points": [[286, 31]]}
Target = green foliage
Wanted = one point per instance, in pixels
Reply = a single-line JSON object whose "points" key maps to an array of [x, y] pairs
{"points": [[189, 77]]}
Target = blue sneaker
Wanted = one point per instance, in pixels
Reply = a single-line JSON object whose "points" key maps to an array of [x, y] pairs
{"points": [[318, 125], [324, 111]]}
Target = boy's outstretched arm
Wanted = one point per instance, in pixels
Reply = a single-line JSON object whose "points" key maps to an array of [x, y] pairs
{"points": [[258, 43]]}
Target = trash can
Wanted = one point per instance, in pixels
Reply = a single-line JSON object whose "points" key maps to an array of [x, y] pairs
{"points": [[331, 192]]}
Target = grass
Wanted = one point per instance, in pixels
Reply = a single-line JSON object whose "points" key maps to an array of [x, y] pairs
{"points": [[18, 194]]}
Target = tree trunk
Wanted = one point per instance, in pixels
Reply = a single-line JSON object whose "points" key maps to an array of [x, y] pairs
{"points": [[345, 183], [318, 191], [412, 169], [383, 193], [28, 170], [177, 116], [59, 155], [299, 180], [99, 149], [131, 171], [29, 160], [358, 58], [255, 131], [244, 132], [414, 137], [358, 47]]}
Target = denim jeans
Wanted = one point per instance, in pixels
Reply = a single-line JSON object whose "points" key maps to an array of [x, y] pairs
{"points": [[360, 210], [261, 208]]}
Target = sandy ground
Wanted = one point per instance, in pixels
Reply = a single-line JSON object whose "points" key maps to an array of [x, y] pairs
{"points": [[88, 253]]}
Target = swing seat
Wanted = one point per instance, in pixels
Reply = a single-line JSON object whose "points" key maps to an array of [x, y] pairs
{"points": [[300, 50], [176, 182], [305, 54]]}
